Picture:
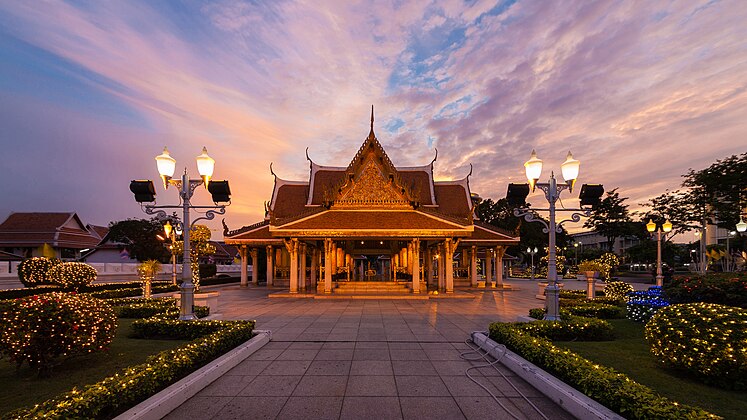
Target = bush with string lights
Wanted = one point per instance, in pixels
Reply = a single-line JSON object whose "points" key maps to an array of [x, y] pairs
{"points": [[72, 275], [704, 339], [40, 330], [33, 271], [617, 290]]}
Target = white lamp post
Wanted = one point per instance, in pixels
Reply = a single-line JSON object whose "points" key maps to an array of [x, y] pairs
{"points": [[666, 227], [702, 264], [590, 195], [171, 234], [144, 192], [531, 252]]}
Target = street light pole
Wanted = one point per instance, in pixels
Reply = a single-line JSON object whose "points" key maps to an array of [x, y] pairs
{"points": [[666, 227], [532, 252]]}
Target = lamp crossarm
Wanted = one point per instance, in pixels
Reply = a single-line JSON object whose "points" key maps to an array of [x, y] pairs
{"points": [[193, 184], [575, 218], [531, 216], [551, 195], [210, 214]]}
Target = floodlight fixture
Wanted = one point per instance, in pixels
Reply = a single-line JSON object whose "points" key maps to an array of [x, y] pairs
{"points": [[144, 191], [220, 191], [591, 194], [516, 195]]}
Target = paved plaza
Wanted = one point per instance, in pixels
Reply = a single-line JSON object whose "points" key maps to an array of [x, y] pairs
{"points": [[368, 359]]}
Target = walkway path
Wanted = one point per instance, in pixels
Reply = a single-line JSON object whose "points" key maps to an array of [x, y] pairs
{"points": [[367, 359]]}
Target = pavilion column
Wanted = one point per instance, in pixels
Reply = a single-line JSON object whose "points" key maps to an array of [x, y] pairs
{"points": [[292, 247], [302, 266], [314, 265], [253, 252], [488, 267], [473, 266], [411, 257], [450, 247], [395, 264], [500, 251], [441, 267], [270, 266], [415, 245], [428, 260], [334, 258], [328, 251], [244, 263], [348, 263]]}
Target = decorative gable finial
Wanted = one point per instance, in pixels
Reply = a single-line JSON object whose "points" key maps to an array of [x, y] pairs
{"points": [[372, 117]]}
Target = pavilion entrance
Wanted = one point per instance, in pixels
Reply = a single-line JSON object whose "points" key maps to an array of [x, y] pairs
{"points": [[372, 268]]}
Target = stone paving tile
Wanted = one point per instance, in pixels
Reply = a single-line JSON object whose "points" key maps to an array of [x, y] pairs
{"points": [[406, 354], [291, 354], [327, 386], [371, 367], [549, 408], [275, 386], [287, 367], [199, 408], [249, 367], [421, 386], [311, 408], [259, 407], [371, 386], [226, 386], [371, 354], [413, 368], [329, 367], [367, 408], [419, 408], [335, 354], [265, 354]]}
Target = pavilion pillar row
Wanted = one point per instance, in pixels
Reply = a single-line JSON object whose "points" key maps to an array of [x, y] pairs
{"points": [[450, 246], [334, 258], [302, 267], [244, 263], [270, 266], [411, 257], [253, 253], [328, 252], [348, 264], [500, 251], [488, 267], [428, 260], [441, 267], [314, 265], [415, 246], [292, 246], [395, 264], [473, 266]]}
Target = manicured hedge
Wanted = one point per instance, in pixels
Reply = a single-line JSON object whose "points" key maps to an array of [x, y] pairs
{"points": [[72, 275], [123, 289], [617, 289], [722, 288], [134, 384], [610, 388], [569, 328], [33, 271], [165, 307], [596, 310], [707, 340]]}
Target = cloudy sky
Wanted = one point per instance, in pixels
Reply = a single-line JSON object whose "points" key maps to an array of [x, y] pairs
{"points": [[91, 91]]}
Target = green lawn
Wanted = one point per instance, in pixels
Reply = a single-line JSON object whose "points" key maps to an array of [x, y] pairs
{"points": [[629, 354], [25, 389]]}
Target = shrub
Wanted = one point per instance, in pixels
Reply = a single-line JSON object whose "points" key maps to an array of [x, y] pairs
{"points": [[724, 289], [569, 328], [617, 289], [593, 309], [72, 275], [610, 388], [33, 271], [41, 329], [705, 339], [641, 306], [134, 291], [134, 384]]}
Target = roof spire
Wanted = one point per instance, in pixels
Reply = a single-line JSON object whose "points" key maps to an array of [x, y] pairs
{"points": [[372, 117]]}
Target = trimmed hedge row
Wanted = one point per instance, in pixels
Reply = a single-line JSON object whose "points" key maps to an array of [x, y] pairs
{"points": [[165, 307], [134, 384], [707, 340], [569, 328], [610, 388], [95, 290], [724, 289]]}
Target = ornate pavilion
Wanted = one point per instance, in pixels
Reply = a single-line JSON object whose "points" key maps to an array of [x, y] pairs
{"points": [[372, 222]]}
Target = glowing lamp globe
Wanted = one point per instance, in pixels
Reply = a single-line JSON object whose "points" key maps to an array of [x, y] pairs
{"points": [[651, 226], [667, 226], [570, 169], [167, 229], [166, 166], [529, 250], [533, 168], [741, 226], [205, 166]]}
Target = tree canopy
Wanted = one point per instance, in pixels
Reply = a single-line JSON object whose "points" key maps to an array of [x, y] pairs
{"points": [[140, 236], [611, 218]]}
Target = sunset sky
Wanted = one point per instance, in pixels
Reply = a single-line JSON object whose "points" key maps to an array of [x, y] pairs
{"points": [[90, 92]]}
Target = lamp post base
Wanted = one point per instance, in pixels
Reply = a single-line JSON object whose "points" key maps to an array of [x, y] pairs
{"points": [[552, 295], [187, 302], [659, 280]]}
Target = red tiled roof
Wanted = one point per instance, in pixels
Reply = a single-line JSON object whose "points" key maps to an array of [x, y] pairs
{"points": [[34, 222], [485, 233], [419, 182], [255, 233], [325, 180], [290, 200], [99, 231], [36, 229], [452, 200]]}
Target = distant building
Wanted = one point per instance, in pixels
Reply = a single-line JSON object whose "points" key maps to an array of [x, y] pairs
{"points": [[596, 241], [61, 235]]}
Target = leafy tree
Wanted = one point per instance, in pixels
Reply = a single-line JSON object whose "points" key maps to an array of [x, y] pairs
{"points": [[611, 218], [140, 236], [199, 245]]}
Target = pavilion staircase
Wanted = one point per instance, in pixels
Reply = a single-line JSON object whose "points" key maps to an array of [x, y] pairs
{"points": [[372, 287]]}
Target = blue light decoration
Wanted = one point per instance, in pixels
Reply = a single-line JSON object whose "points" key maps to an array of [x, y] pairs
{"points": [[642, 305]]}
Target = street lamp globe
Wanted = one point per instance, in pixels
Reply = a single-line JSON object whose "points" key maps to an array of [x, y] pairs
{"points": [[667, 226], [741, 226], [166, 166], [535, 250], [533, 168], [651, 226], [205, 166], [167, 228], [570, 169]]}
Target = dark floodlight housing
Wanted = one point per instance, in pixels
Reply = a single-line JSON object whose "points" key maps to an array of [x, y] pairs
{"points": [[144, 191], [591, 194], [517, 195], [220, 191]]}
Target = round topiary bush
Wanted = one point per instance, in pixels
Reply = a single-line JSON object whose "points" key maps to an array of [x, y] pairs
{"points": [[41, 329], [33, 271], [72, 275], [705, 339], [617, 289]]}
